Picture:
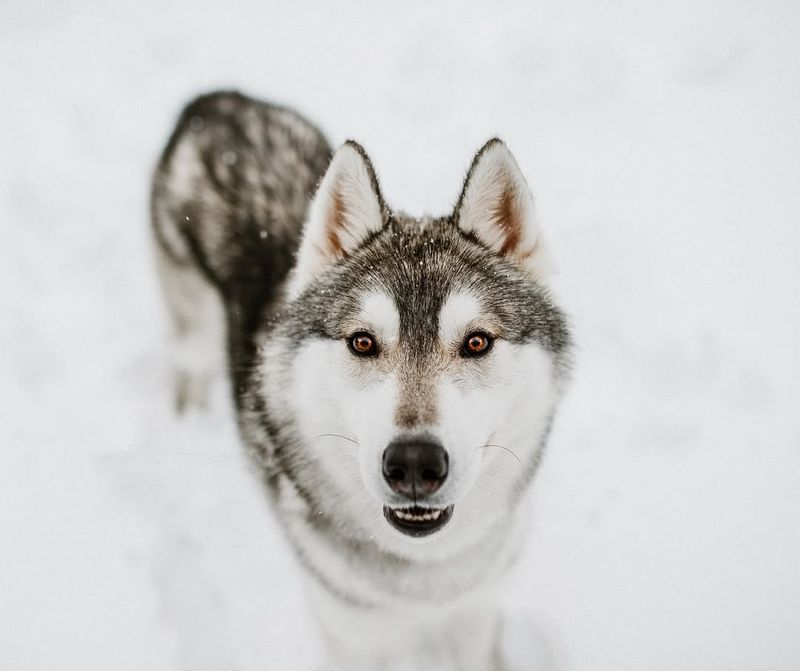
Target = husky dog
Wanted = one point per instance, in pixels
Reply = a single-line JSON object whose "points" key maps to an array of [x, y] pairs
{"points": [[394, 377]]}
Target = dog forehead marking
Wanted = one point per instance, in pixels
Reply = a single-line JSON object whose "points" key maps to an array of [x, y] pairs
{"points": [[459, 309], [379, 309]]}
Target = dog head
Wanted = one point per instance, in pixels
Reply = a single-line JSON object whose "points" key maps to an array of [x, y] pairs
{"points": [[414, 369]]}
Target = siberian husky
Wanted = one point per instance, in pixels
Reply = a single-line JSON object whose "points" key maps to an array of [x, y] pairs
{"points": [[394, 377]]}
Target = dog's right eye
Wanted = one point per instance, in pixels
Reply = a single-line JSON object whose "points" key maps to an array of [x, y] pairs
{"points": [[476, 344], [362, 344]]}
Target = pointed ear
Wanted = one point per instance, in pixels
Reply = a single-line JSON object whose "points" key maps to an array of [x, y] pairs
{"points": [[345, 211], [496, 206]]}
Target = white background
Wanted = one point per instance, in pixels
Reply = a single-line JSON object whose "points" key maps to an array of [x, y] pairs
{"points": [[662, 141]]}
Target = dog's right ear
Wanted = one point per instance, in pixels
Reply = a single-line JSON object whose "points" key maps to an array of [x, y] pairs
{"points": [[347, 209]]}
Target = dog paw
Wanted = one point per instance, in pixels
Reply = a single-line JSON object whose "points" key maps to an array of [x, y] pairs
{"points": [[191, 391]]}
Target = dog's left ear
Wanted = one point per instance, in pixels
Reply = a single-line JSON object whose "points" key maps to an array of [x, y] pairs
{"points": [[347, 209], [496, 206]]}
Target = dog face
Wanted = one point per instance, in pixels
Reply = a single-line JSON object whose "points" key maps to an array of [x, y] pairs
{"points": [[415, 367]]}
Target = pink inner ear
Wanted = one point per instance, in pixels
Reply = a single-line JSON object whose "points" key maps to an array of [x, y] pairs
{"points": [[507, 215], [335, 222]]}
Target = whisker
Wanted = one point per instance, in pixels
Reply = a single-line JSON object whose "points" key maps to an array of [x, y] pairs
{"points": [[336, 435], [502, 447], [518, 480]]}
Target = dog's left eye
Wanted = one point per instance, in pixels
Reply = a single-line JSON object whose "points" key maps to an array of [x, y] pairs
{"points": [[362, 344], [476, 344]]}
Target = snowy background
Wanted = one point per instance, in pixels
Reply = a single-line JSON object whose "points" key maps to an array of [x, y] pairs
{"points": [[663, 143]]}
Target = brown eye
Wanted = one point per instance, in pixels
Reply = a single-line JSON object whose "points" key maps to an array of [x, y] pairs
{"points": [[362, 344], [476, 344]]}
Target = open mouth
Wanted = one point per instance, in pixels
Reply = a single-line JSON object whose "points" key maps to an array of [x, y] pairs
{"points": [[418, 521]]}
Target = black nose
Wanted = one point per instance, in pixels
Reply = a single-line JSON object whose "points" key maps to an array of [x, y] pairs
{"points": [[415, 467]]}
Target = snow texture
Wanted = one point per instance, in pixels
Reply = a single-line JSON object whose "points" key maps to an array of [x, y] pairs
{"points": [[662, 142]]}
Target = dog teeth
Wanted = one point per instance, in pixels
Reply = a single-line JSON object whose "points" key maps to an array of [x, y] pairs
{"points": [[424, 517]]}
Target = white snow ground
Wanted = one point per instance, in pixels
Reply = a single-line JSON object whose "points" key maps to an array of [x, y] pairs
{"points": [[662, 140]]}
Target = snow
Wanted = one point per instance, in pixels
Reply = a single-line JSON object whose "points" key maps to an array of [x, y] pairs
{"points": [[662, 143]]}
